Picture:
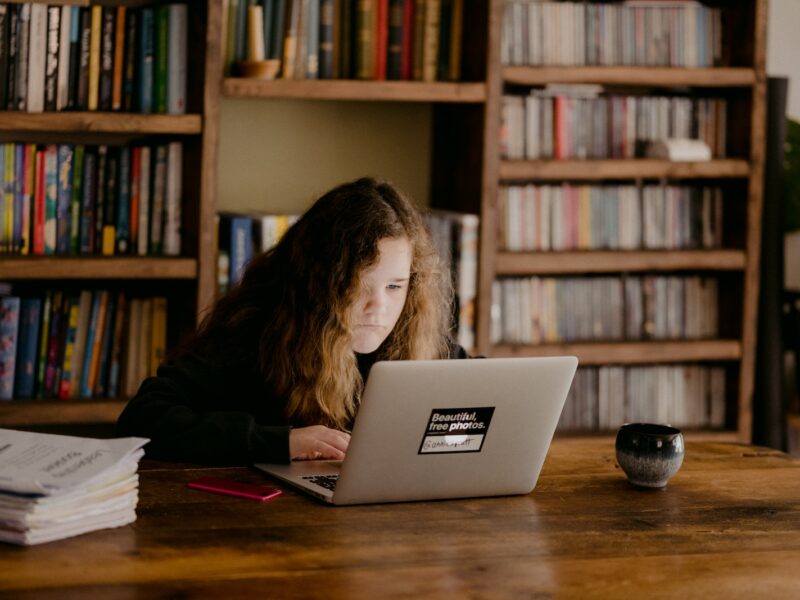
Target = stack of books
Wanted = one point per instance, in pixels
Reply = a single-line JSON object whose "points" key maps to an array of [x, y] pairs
{"points": [[54, 486]]}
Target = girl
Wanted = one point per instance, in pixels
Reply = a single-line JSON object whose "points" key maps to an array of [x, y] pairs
{"points": [[276, 370]]}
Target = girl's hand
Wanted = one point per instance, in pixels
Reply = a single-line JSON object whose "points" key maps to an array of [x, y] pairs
{"points": [[317, 442]]}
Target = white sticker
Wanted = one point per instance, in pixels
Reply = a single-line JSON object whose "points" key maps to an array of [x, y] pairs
{"points": [[456, 430]]}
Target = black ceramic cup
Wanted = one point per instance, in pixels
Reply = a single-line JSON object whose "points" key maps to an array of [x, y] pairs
{"points": [[649, 453]]}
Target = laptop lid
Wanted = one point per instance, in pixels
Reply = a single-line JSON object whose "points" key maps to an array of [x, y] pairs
{"points": [[450, 429]]}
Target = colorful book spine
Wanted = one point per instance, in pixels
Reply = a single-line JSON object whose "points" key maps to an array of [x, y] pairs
{"points": [[176, 59], [161, 59], [119, 58], [25, 377], [76, 199], [53, 339], [44, 336], [95, 47], [123, 229], [69, 348], [105, 82], [146, 56], [9, 329], [50, 198], [65, 179]]}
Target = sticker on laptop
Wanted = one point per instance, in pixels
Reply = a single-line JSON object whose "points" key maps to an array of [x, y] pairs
{"points": [[456, 430]]}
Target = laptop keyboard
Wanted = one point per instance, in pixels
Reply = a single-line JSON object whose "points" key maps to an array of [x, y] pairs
{"points": [[326, 481]]}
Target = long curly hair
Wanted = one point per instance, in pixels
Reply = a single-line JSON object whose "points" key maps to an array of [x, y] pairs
{"points": [[293, 302]]}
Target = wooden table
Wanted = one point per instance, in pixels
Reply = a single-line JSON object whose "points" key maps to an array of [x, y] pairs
{"points": [[728, 526]]}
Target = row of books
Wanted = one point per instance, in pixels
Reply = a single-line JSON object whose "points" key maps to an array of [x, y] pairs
{"points": [[603, 398], [674, 34], [79, 344], [619, 217], [455, 237], [568, 122], [240, 236], [348, 39], [538, 310], [71, 199], [107, 58]]}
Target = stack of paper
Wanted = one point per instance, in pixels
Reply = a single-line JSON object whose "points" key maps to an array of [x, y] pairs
{"points": [[55, 486]]}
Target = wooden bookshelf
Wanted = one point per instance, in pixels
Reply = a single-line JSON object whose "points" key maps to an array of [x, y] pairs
{"points": [[743, 84], [368, 91], [188, 281]]}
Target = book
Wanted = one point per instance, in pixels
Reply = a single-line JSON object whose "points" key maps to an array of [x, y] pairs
{"points": [[236, 239], [143, 238], [39, 203], [44, 336], [327, 21], [12, 61], [68, 364], [21, 59], [95, 49], [174, 192], [73, 69], [396, 35], [116, 354], [84, 59], [146, 59], [76, 200], [50, 198], [129, 80], [64, 198], [100, 385], [27, 351], [51, 59], [9, 329], [106, 76], [161, 58], [52, 364], [79, 350], [123, 230], [109, 226], [79, 485], [37, 58], [4, 27], [94, 340], [158, 198], [118, 70], [176, 59], [63, 59]]}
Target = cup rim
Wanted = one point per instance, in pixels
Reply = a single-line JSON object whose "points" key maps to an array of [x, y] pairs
{"points": [[650, 429]]}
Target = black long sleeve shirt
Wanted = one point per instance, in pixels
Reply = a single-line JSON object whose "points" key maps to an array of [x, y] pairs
{"points": [[199, 412]]}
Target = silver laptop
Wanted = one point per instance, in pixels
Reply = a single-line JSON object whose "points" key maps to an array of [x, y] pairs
{"points": [[444, 429]]}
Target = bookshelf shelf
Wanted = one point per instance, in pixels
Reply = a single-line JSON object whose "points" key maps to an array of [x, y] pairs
{"points": [[59, 412], [392, 91], [100, 122], [604, 261], [598, 170], [631, 353], [98, 268], [633, 76]]}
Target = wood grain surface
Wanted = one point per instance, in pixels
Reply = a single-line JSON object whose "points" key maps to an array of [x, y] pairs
{"points": [[728, 525]]}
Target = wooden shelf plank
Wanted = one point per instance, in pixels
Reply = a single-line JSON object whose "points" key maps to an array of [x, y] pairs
{"points": [[345, 89], [100, 122], [604, 261], [639, 168], [631, 353], [59, 412], [644, 76], [59, 2], [36, 267]]}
